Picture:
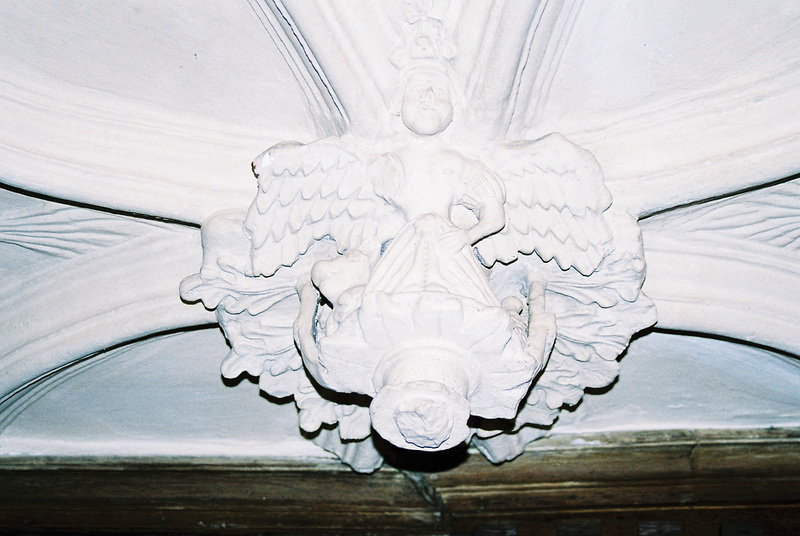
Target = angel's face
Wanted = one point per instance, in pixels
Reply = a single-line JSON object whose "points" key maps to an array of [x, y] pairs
{"points": [[427, 106]]}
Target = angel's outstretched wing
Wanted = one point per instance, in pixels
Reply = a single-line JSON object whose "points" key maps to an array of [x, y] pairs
{"points": [[309, 192], [555, 200]]}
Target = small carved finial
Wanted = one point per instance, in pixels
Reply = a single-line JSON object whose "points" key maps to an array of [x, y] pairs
{"points": [[425, 42], [421, 416]]}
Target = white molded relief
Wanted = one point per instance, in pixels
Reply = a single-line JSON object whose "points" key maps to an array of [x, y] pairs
{"points": [[730, 266], [427, 287]]}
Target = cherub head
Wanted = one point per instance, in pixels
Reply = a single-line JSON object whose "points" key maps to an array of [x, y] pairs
{"points": [[427, 106]]}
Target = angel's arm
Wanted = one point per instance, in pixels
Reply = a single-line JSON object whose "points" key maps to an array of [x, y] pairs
{"points": [[485, 198], [491, 218]]}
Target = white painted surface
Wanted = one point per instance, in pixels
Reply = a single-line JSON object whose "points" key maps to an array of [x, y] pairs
{"points": [[673, 382], [151, 107], [106, 103], [679, 101], [165, 397], [161, 397], [211, 59], [730, 267]]}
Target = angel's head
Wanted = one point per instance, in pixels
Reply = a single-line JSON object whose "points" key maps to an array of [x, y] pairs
{"points": [[427, 106]]}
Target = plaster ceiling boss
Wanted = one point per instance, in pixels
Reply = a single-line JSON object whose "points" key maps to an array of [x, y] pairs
{"points": [[427, 283]]}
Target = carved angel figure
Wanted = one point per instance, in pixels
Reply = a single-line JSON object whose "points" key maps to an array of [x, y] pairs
{"points": [[401, 286]]}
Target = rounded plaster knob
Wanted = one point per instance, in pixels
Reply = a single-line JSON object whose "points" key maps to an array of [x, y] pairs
{"points": [[421, 401], [421, 415]]}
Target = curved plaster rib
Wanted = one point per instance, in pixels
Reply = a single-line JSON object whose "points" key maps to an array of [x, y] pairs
{"points": [[183, 170], [97, 300], [104, 150], [549, 34], [346, 39], [507, 57], [734, 289], [328, 112], [701, 145], [533, 34]]}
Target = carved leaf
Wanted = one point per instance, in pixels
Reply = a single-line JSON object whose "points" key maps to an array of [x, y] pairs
{"points": [[257, 315], [313, 409], [354, 422], [361, 455], [596, 315]]}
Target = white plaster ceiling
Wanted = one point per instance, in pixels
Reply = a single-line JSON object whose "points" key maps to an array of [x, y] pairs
{"points": [[126, 123], [164, 397]]}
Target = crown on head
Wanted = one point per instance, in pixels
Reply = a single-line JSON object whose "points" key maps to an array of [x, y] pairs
{"points": [[425, 44]]}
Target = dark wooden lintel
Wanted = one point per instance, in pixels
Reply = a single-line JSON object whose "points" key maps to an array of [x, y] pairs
{"points": [[616, 480]]}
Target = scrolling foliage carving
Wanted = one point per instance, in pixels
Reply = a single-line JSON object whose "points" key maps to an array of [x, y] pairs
{"points": [[425, 287]]}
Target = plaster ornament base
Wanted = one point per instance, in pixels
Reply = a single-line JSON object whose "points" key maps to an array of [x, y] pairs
{"points": [[425, 285], [426, 346]]}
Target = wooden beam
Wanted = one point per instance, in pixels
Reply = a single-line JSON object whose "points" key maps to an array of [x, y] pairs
{"points": [[207, 496], [620, 480], [631, 483]]}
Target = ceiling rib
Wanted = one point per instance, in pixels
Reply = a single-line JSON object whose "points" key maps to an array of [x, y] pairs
{"points": [[329, 114], [727, 289], [701, 144], [548, 37], [60, 315]]}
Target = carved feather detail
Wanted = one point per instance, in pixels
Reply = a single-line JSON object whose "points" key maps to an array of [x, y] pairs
{"points": [[308, 192], [555, 204]]}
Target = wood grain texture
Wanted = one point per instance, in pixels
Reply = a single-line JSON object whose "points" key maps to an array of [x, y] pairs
{"points": [[207, 496], [623, 483]]}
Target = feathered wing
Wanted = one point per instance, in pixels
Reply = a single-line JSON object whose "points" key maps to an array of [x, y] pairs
{"points": [[309, 192], [312, 201], [555, 204]]}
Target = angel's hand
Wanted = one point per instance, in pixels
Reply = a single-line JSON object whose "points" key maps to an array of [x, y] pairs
{"points": [[333, 277], [303, 324], [491, 219]]}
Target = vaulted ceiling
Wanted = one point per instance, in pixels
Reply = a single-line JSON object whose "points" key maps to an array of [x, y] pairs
{"points": [[127, 123]]}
